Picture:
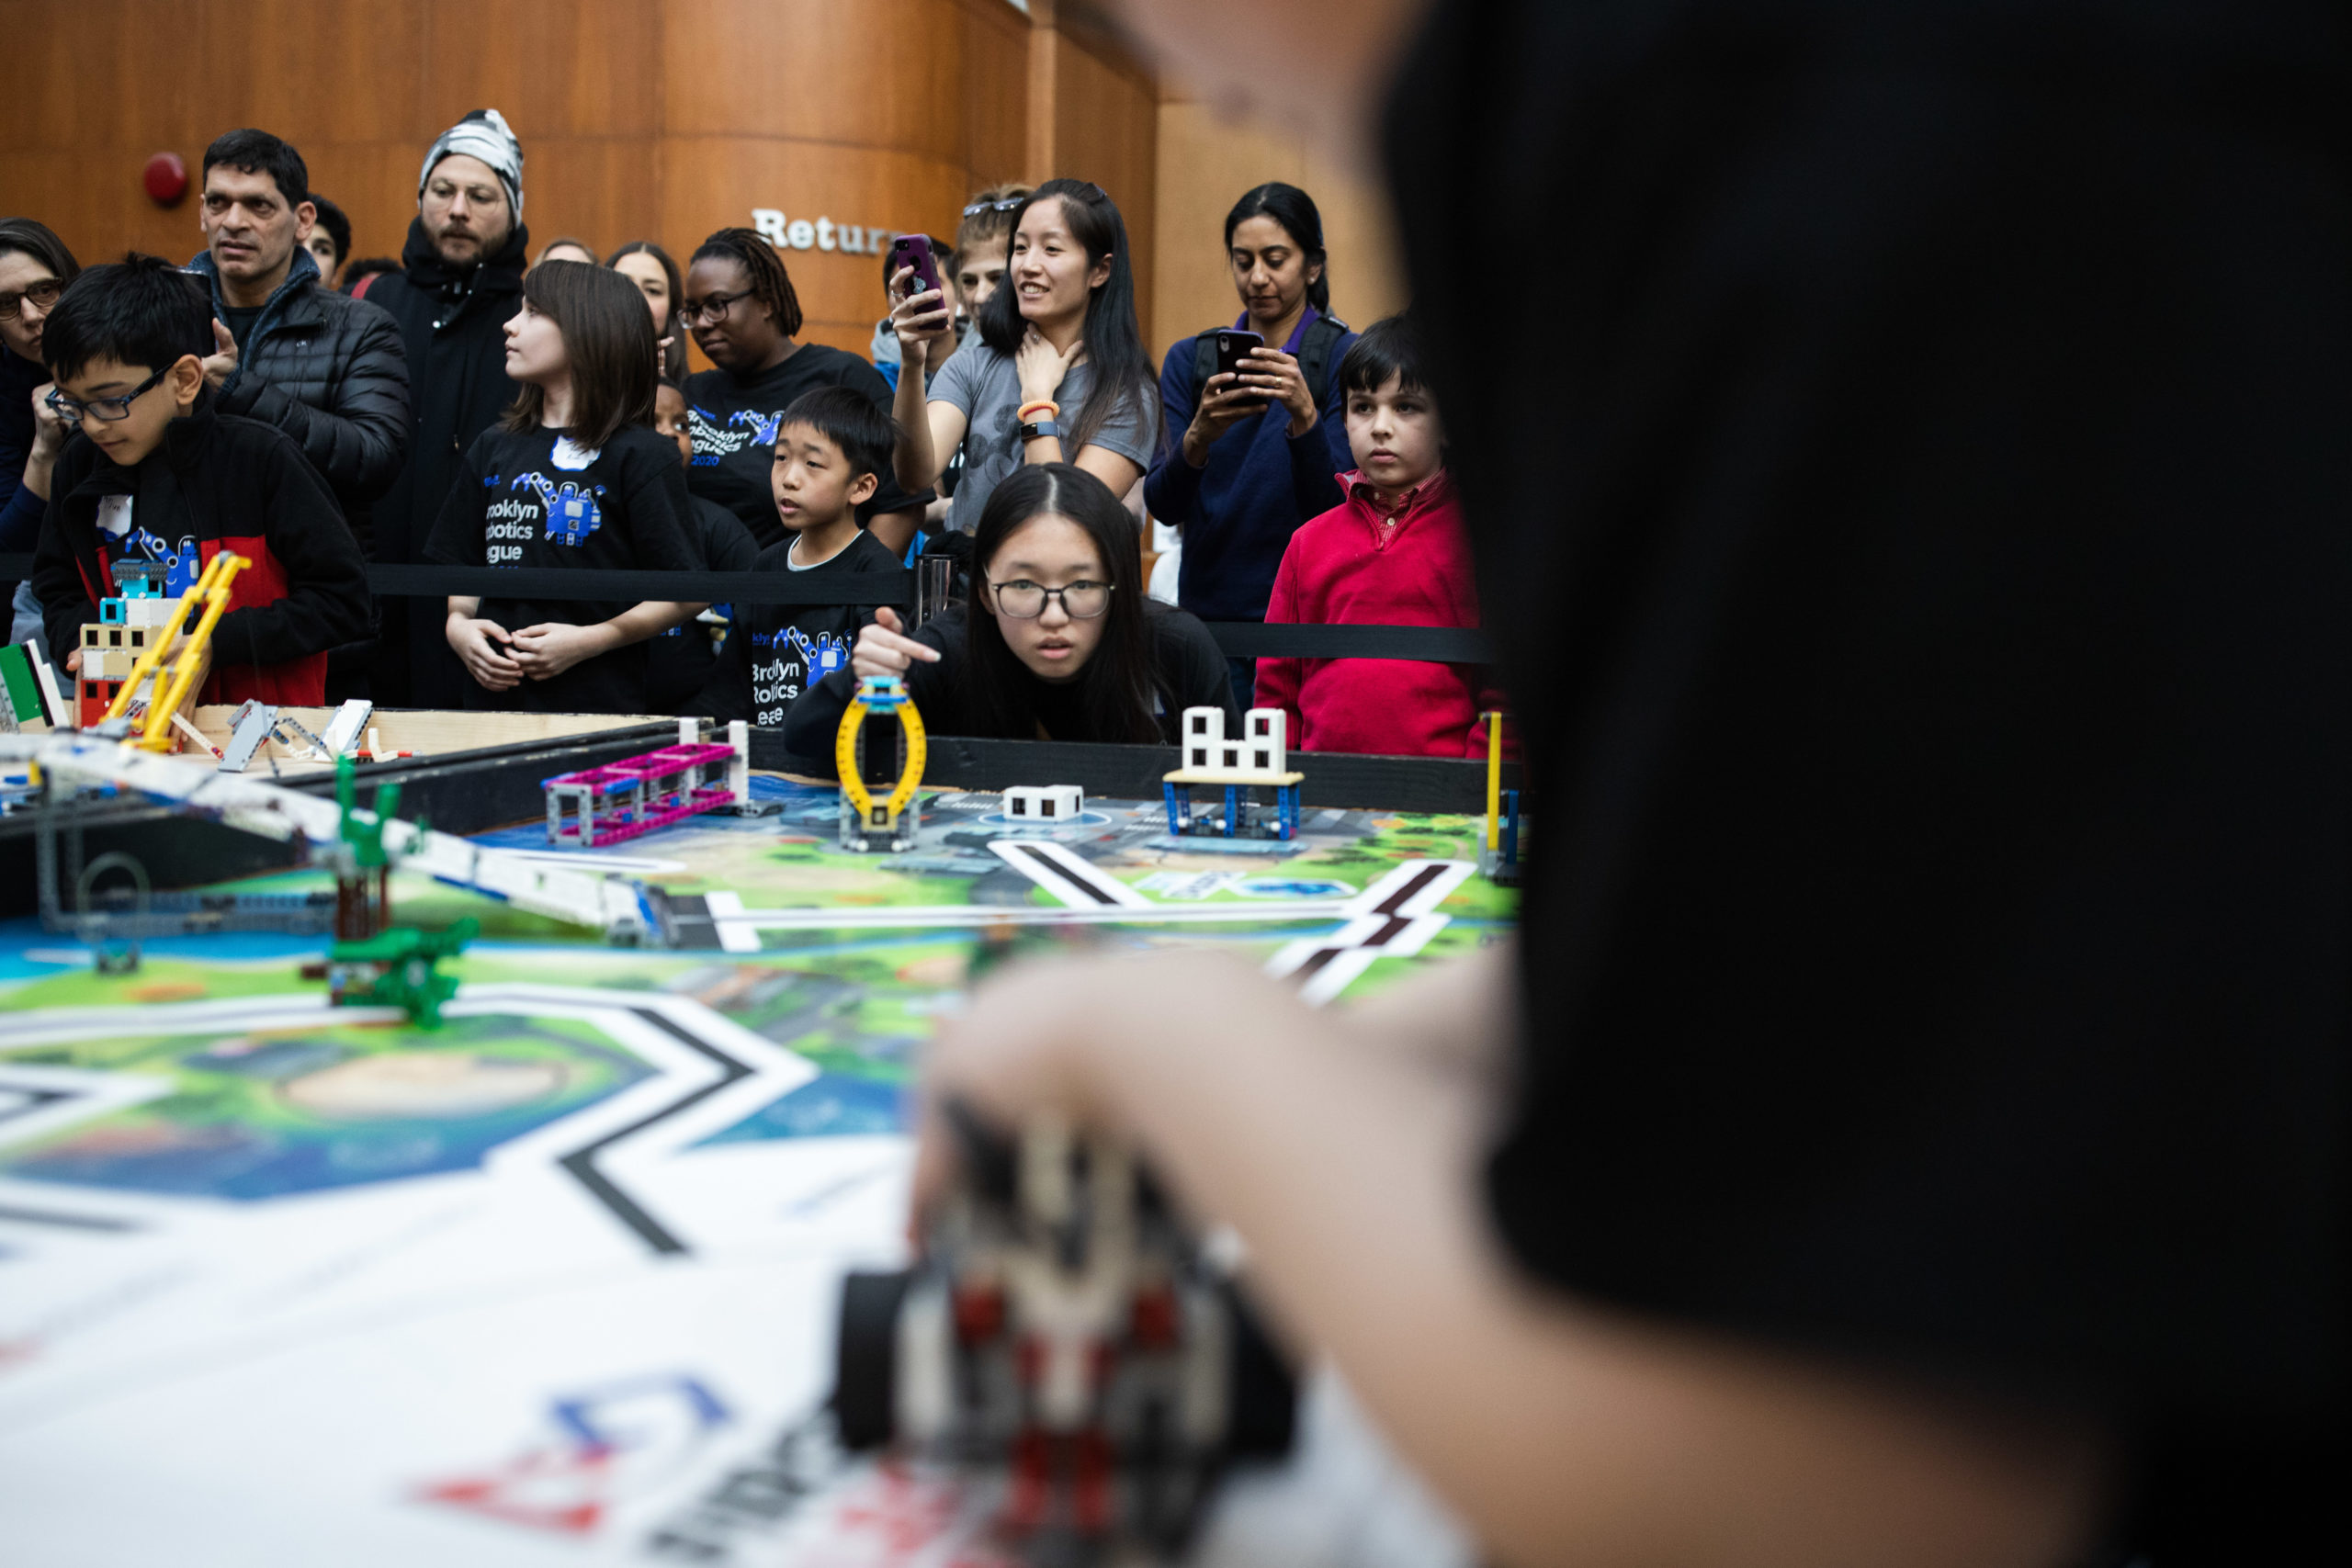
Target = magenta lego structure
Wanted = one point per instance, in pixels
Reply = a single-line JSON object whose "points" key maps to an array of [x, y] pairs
{"points": [[637, 795]]}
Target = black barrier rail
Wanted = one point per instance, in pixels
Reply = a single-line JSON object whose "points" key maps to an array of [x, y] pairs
{"points": [[1340, 779], [1238, 639]]}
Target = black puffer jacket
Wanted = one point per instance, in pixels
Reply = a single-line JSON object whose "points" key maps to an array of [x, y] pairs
{"points": [[333, 374]]}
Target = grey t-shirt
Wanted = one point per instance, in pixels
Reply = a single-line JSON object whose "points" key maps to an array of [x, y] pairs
{"points": [[985, 387]]}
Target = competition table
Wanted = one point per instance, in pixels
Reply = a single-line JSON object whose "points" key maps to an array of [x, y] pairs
{"points": [[282, 1283]]}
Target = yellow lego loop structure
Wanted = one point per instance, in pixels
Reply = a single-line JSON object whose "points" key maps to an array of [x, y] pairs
{"points": [[876, 694], [152, 731]]}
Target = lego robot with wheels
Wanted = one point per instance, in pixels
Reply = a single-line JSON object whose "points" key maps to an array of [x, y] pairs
{"points": [[1066, 1333]]}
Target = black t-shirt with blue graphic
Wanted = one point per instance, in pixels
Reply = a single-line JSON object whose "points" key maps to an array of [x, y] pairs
{"points": [[734, 423], [780, 650], [538, 500]]}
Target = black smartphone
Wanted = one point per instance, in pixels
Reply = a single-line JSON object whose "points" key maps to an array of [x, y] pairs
{"points": [[1233, 352], [914, 251]]}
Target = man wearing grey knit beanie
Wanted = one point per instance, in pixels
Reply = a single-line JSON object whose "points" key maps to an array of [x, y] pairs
{"points": [[461, 281]]}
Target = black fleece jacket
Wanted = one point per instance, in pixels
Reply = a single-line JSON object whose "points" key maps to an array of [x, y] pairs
{"points": [[218, 481]]}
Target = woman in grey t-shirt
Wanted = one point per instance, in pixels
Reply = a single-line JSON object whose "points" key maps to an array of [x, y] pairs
{"points": [[1061, 331]]}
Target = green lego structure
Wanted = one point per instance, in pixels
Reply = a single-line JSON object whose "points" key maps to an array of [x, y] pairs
{"points": [[363, 895], [397, 968]]}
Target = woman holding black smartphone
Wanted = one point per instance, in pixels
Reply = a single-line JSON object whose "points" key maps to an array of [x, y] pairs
{"points": [[1261, 432]]}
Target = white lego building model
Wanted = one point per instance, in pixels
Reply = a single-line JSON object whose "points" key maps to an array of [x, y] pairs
{"points": [[1239, 764], [1253, 757], [1050, 804]]}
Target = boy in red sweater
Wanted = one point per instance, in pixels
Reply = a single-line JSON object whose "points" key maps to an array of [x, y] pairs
{"points": [[1393, 554]]}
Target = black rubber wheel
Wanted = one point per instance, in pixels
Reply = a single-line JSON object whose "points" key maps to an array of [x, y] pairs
{"points": [[1264, 1397], [865, 1365]]}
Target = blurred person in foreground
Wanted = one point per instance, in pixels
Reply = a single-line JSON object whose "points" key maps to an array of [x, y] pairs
{"points": [[1908, 1126]]}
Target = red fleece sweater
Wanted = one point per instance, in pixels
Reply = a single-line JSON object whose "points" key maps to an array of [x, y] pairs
{"points": [[1353, 566]]}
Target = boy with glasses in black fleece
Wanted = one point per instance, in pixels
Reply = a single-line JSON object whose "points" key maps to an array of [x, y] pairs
{"points": [[156, 473]]}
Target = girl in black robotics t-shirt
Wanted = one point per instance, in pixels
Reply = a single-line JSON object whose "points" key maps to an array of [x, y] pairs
{"points": [[571, 476]]}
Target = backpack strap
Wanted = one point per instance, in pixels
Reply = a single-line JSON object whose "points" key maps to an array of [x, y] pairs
{"points": [[1205, 360], [1314, 355]]}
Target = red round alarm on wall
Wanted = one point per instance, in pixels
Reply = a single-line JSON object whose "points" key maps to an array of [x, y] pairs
{"points": [[166, 178]]}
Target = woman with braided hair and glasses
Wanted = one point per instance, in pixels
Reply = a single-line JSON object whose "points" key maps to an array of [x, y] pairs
{"points": [[740, 305]]}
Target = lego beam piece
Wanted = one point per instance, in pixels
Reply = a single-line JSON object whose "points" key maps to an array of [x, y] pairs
{"points": [[179, 722], [739, 774], [612, 904], [287, 721], [21, 690], [59, 715], [248, 728], [343, 730], [689, 730]]}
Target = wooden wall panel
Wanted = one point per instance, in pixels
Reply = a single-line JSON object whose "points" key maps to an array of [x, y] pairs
{"points": [[1106, 128], [715, 181], [552, 67], [995, 92], [1206, 161], [639, 118]]}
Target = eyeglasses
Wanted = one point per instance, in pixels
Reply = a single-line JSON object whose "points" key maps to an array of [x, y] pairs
{"points": [[711, 307], [1007, 205], [42, 294], [1025, 601], [105, 410]]}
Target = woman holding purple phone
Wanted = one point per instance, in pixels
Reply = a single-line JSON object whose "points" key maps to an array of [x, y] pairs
{"points": [[1059, 374]]}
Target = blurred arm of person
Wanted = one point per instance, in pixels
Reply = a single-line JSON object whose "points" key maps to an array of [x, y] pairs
{"points": [[1343, 1146]]}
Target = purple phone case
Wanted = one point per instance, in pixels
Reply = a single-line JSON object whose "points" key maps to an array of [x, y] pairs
{"points": [[915, 250]]}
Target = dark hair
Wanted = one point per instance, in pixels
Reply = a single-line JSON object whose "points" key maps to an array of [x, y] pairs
{"points": [[847, 418], [33, 237], [565, 243], [365, 267], [674, 359], [1123, 368], [338, 228], [1385, 348], [1294, 210], [259, 152], [992, 221], [770, 284], [1117, 686], [608, 337], [141, 310]]}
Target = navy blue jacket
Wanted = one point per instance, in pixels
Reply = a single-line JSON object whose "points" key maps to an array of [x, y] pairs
{"points": [[20, 511], [1239, 511]]}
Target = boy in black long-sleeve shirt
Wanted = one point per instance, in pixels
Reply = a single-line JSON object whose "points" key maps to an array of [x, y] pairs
{"points": [[156, 473]]}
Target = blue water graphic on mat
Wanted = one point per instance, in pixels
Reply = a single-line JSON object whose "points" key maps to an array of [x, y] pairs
{"points": [[831, 1105]]}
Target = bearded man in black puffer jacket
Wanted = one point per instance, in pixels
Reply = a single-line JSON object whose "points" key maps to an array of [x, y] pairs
{"points": [[461, 282], [329, 371]]}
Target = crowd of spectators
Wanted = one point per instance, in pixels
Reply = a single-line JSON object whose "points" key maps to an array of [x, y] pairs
{"points": [[475, 403]]}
